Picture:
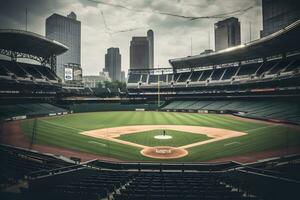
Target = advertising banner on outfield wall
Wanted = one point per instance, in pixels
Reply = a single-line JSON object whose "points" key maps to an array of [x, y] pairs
{"points": [[68, 74]]}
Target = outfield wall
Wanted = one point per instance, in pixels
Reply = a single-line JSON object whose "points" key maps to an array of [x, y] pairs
{"points": [[98, 107], [30, 110], [232, 112]]}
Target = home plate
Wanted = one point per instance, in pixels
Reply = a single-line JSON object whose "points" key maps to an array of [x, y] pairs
{"points": [[163, 137]]}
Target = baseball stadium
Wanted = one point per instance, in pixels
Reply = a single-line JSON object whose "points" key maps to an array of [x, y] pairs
{"points": [[223, 125]]}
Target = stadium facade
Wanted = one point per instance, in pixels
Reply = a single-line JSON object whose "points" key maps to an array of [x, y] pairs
{"points": [[267, 68], [25, 80], [48, 154], [66, 30]]}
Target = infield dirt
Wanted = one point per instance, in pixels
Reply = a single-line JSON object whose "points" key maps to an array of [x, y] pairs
{"points": [[112, 134]]}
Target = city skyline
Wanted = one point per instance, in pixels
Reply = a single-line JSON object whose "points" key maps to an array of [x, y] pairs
{"points": [[173, 35]]}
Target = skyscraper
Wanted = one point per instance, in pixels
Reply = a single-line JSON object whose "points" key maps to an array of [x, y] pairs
{"points": [[278, 14], [66, 30], [142, 52], [227, 33], [113, 63], [150, 36], [123, 78]]}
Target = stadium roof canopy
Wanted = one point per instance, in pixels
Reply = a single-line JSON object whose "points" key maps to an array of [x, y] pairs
{"points": [[29, 43], [283, 41]]}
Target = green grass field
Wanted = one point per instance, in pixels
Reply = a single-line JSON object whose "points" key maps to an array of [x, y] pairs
{"points": [[64, 132], [178, 138]]}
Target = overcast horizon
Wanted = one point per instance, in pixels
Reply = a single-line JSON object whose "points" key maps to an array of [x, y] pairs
{"points": [[172, 35]]}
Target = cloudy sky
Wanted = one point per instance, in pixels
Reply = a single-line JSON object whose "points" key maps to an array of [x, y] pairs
{"points": [[172, 34]]}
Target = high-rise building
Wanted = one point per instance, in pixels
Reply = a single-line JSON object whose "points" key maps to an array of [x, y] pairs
{"points": [[227, 33], [123, 77], [150, 36], [277, 14], [113, 63], [142, 52], [139, 53], [66, 30]]}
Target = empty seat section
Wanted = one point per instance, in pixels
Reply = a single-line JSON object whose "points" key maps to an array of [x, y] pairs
{"points": [[185, 104], [173, 105], [198, 105], [176, 76], [144, 78], [31, 69], [162, 78], [217, 105], [16, 163], [267, 109], [174, 186], [13, 67], [293, 66], [248, 69], [278, 67], [195, 76], [265, 67], [184, 77], [230, 72], [82, 184], [47, 72], [217, 73], [206, 74], [28, 109], [134, 78], [3, 71], [153, 78], [170, 77]]}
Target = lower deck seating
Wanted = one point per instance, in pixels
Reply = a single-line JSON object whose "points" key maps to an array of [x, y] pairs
{"points": [[149, 185], [94, 184], [16, 163], [265, 109], [85, 183], [28, 109]]}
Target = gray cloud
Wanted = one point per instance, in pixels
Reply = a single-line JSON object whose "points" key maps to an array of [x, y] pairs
{"points": [[172, 34]]}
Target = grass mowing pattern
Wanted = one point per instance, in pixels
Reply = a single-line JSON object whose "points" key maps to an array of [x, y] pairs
{"points": [[64, 132], [178, 138], [61, 136]]}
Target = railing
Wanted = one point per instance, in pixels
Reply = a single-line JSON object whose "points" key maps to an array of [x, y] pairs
{"points": [[164, 166], [44, 172]]}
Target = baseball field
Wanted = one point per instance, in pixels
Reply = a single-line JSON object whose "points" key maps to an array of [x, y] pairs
{"points": [[153, 136]]}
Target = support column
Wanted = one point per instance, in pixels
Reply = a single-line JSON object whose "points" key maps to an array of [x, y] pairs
{"points": [[53, 63]]}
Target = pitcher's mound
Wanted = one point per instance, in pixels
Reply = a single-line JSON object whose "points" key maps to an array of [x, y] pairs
{"points": [[163, 137], [164, 152]]}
